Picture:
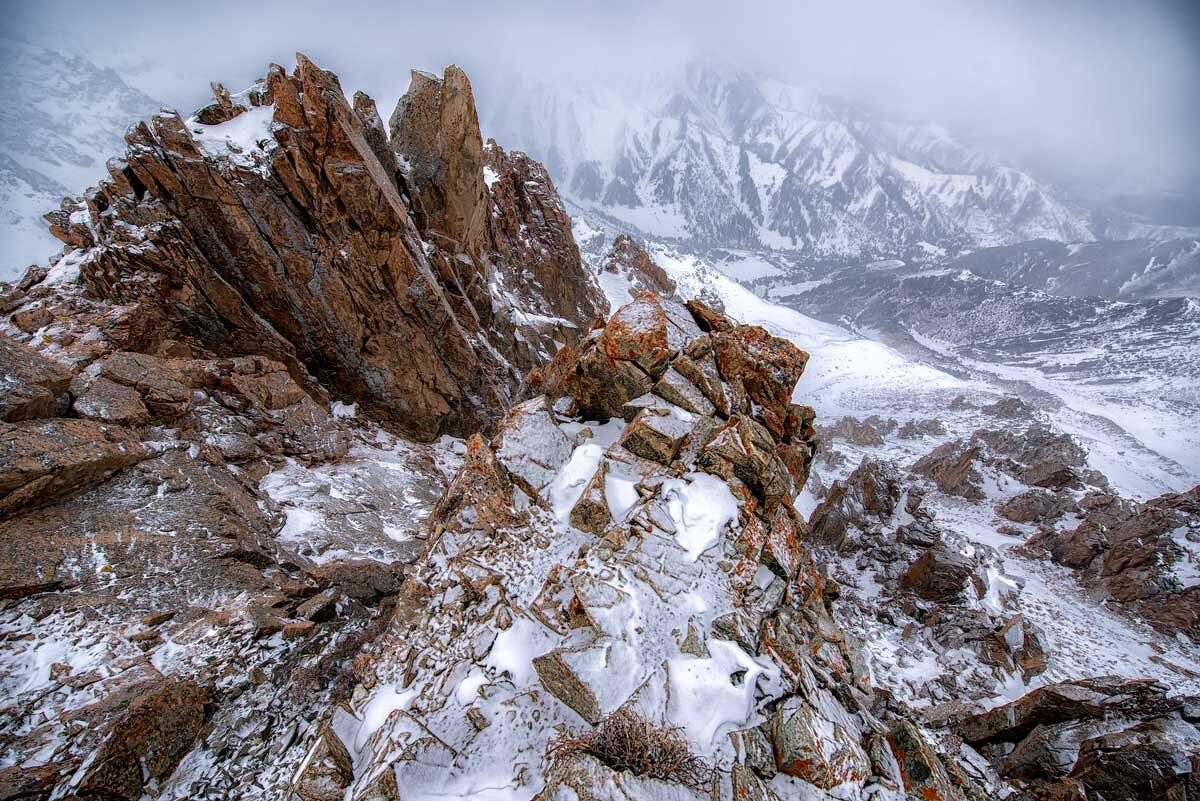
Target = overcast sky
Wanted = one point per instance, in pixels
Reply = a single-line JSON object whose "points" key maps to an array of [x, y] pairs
{"points": [[1104, 88]]}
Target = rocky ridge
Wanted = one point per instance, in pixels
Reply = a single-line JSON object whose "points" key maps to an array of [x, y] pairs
{"points": [[282, 223], [197, 537], [629, 546]]}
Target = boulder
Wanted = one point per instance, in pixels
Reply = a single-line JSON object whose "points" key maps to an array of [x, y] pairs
{"points": [[871, 491], [30, 385], [591, 512], [767, 366], [1064, 701], [1033, 506], [951, 466], [865, 433], [922, 771], [1093, 738], [817, 742], [1145, 762], [655, 434], [940, 574], [42, 461]]}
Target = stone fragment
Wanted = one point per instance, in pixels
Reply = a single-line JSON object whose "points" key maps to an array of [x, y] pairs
{"points": [[590, 512], [940, 574]]}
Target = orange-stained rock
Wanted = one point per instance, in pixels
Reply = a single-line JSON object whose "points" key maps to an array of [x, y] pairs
{"points": [[767, 366]]}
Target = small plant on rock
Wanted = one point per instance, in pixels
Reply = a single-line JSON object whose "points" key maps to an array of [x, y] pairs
{"points": [[625, 740]]}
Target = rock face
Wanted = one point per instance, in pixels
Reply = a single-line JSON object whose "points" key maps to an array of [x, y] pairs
{"points": [[630, 260], [285, 228], [1095, 739], [42, 461], [436, 131], [538, 262], [648, 561], [1144, 555]]}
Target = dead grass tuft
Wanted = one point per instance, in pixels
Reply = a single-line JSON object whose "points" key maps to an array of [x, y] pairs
{"points": [[624, 740]]}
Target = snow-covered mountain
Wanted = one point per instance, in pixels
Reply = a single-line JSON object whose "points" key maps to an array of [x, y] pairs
{"points": [[721, 157], [1126, 269], [61, 118]]}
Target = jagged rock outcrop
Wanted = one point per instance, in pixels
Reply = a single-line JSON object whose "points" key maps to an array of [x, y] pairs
{"points": [[1036, 456], [1145, 556], [284, 227], [538, 262], [1093, 739], [435, 131], [628, 259], [195, 537], [870, 431], [687, 596]]}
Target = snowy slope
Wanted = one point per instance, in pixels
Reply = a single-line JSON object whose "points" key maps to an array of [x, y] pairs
{"points": [[61, 118], [1123, 376]]}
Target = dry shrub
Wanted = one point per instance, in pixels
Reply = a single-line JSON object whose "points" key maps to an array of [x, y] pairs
{"points": [[624, 740]]}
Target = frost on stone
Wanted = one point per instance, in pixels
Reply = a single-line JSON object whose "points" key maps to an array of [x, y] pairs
{"points": [[238, 139], [701, 506], [531, 445]]}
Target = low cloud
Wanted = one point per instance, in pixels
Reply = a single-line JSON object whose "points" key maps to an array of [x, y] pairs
{"points": [[1101, 92]]}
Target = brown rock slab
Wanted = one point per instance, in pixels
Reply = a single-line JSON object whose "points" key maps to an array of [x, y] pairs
{"points": [[42, 461], [30, 384], [939, 574], [159, 727], [109, 402]]}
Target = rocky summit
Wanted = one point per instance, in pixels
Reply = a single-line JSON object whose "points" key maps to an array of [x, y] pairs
{"points": [[332, 467]]}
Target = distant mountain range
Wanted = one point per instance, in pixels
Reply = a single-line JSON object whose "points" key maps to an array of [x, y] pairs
{"points": [[720, 157]]}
